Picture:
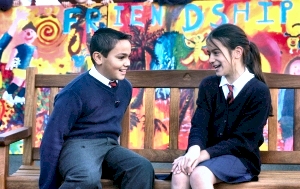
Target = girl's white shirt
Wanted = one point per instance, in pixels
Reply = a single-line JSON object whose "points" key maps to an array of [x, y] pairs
{"points": [[237, 84]]}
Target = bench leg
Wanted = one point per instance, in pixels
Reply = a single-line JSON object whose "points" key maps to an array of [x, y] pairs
{"points": [[4, 151]]}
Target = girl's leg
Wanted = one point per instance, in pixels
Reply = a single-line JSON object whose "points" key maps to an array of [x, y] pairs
{"points": [[203, 178], [180, 181]]}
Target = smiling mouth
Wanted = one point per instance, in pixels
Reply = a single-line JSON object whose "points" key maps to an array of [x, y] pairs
{"points": [[217, 66], [28, 38]]}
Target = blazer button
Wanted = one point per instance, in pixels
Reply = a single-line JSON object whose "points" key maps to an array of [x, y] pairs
{"points": [[221, 134], [225, 121]]}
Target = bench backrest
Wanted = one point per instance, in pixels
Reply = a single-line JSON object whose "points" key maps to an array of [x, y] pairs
{"points": [[175, 80]]}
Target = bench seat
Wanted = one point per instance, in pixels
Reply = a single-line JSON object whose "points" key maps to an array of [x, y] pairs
{"points": [[27, 175]]}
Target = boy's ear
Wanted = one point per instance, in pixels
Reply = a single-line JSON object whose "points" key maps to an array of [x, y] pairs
{"points": [[97, 58]]}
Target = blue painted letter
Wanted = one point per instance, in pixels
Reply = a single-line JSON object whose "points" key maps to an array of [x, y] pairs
{"points": [[133, 16], [265, 20], [285, 6], [157, 15], [68, 20], [90, 22], [236, 11], [118, 19], [199, 18], [221, 14]]}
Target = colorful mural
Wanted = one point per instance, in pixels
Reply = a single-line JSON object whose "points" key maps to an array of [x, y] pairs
{"points": [[164, 38]]}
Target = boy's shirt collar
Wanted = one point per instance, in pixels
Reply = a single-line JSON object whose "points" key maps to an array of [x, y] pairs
{"points": [[94, 73]]}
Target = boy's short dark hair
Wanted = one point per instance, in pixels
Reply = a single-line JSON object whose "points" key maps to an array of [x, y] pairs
{"points": [[105, 39]]}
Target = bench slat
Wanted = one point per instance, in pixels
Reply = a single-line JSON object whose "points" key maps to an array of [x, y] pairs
{"points": [[124, 137], [166, 155], [53, 93], [297, 120], [29, 114], [174, 118], [149, 118], [272, 122], [280, 157], [175, 79]]}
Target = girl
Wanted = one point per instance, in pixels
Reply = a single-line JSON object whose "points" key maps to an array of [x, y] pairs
{"points": [[232, 110]]}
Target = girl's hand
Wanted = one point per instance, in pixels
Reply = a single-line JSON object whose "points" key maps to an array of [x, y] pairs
{"points": [[204, 156], [178, 162], [191, 159], [188, 162]]}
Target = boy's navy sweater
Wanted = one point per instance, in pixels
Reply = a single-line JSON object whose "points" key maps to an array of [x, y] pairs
{"points": [[84, 109], [235, 129]]}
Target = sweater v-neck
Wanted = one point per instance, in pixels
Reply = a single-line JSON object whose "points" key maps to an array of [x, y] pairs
{"points": [[246, 86]]}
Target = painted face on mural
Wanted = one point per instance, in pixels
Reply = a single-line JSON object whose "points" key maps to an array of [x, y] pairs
{"points": [[295, 68], [117, 62], [219, 58], [29, 35]]}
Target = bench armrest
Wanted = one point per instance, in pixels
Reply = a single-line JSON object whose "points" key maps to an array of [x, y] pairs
{"points": [[14, 135]]}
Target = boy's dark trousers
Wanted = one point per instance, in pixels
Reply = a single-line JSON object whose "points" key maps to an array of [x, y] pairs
{"points": [[83, 161]]}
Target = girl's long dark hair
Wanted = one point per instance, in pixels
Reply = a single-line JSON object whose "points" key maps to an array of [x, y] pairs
{"points": [[232, 36]]}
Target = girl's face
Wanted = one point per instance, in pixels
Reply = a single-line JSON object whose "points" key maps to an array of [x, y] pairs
{"points": [[295, 68], [220, 58], [117, 62]]}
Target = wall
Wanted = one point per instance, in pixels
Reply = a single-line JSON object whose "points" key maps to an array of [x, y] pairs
{"points": [[165, 37]]}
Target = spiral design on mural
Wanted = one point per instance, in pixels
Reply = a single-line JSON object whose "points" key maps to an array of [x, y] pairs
{"points": [[48, 31]]}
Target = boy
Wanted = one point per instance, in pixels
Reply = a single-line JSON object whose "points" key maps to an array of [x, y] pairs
{"points": [[82, 132]]}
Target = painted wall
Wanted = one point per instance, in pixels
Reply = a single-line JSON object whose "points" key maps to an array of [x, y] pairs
{"points": [[164, 37]]}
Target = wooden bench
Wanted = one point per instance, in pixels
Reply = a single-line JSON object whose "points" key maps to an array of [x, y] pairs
{"points": [[27, 175]]}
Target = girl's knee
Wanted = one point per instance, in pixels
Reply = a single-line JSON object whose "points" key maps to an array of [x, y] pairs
{"points": [[202, 176], [179, 180]]}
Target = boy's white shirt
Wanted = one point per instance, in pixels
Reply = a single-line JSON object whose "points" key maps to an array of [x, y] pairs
{"points": [[93, 72]]}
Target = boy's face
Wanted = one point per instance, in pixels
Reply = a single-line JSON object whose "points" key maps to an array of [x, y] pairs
{"points": [[117, 62]]}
